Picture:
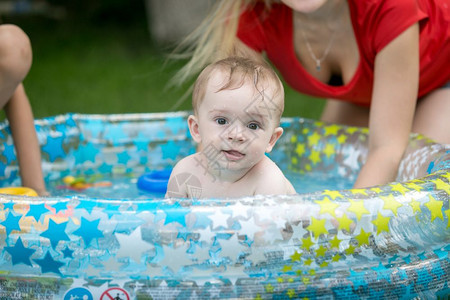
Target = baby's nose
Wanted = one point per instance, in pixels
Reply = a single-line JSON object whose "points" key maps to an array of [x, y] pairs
{"points": [[236, 133]]}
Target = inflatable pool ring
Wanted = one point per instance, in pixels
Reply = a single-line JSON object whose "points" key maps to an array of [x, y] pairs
{"points": [[155, 181], [384, 242], [19, 191]]}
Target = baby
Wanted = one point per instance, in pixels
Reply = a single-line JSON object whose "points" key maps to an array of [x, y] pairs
{"points": [[237, 106]]}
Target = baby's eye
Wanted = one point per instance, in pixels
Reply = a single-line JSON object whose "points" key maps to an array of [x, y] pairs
{"points": [[253, 126], [221, 121]]}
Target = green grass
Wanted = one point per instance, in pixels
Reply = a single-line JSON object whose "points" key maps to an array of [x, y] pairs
{"points": [[108, 69]]}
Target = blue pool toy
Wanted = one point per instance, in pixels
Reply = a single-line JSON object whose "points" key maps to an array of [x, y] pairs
{"points": [[155, 181], [383, 242]]}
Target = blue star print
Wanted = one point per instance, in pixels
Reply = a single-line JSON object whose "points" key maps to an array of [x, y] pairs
{"points": [[123, 157], [86, 153], [9, 153], [36, 211], [11, 223], [19, 253], [170, 150], [175, 213], [88, 230], [67, 252], [56, 232], [60, 206], [48, 264], [54, 148]]}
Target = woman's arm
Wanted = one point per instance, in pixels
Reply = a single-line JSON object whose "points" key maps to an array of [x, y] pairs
{"points": [[20, 117], [396, 79]]}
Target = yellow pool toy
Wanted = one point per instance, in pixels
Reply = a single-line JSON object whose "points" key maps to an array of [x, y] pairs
{"points": [[19, 191]]}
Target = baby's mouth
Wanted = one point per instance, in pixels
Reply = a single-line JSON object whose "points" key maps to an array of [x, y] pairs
{"points": [[233, 155]]}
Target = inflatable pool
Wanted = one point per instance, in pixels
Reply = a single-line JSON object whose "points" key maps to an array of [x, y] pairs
{"points": [[390, 241]]}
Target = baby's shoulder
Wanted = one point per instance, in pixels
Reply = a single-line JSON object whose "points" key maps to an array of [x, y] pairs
{"points": [[271, 180], [188, 163]]}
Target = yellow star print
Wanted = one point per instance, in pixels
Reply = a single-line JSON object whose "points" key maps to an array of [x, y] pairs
{"points": [[359, 191], [357, 207], [291, 293], [307, 243], [308, 262], [390, 203], [399, 188], [441, 185], [435, 208], [326, 206], [344, 223], [313, 139], [300, 149], [350, 250], [335, 242], [287, 268], [269, 288], [331, 130], [415, 206], [382, 223], [323, 264], [414, 186], [296, 256], [336, 258], [446, 175], [317, 227], [329, 150], [376, 190], [258, 297], [447, 213], [352, 130], [332, 194], [363, 237], [314, 157], [321, 251], [341, 139]]}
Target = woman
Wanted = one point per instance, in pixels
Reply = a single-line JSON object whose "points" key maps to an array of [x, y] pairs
{"points": [[381, 63]]}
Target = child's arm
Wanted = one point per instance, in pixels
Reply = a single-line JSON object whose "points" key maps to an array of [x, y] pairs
{"points": [[21, 121]]}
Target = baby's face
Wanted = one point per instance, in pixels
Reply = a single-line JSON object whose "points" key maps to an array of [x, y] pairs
{"points": [[238, 126]]}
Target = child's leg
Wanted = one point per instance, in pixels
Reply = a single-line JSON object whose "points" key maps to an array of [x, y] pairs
{"points": [[433, 115], [15, 60]]}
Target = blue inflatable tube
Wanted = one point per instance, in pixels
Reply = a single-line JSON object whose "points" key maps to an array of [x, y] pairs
{"points": [[155, 181]]}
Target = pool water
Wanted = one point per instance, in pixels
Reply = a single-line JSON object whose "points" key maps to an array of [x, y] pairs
{"points": [[125, 186]]}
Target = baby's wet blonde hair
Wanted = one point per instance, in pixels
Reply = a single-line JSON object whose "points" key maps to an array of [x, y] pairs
{"points": [[238, 71]]}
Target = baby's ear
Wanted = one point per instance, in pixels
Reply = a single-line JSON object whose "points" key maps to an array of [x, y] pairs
{"points": [[193, 128], [274, 138]]}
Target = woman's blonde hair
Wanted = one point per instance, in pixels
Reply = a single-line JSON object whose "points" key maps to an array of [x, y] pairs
{"points": [[213, 40]]}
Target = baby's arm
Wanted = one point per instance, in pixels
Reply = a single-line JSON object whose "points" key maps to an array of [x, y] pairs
{"points": [[21, 121]]}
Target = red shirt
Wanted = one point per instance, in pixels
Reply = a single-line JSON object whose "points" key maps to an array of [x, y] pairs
{"points": [[375, 24]]}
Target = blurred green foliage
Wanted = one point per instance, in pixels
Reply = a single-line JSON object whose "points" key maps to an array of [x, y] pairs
{"points": [[100, 59]]}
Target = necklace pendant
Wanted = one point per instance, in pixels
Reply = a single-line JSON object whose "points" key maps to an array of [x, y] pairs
{"points": [[318, 65]]}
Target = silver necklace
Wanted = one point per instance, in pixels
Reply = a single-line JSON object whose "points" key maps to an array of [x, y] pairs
{"points": [[325, 53]]}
